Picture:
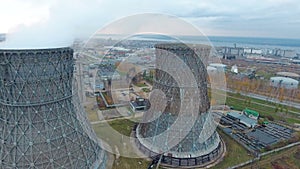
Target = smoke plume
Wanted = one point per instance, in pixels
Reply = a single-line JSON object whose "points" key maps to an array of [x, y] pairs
{"points": [[67, 20]]}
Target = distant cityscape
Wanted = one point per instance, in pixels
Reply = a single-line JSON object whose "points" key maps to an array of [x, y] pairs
{"points": [[245, 61]]}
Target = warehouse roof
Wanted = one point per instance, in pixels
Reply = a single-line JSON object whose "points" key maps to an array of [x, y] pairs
{"points": [[243, 119], [217, 65]]}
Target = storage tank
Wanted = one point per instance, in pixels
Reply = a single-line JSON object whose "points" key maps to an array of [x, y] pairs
{"points": [[284, 82]]}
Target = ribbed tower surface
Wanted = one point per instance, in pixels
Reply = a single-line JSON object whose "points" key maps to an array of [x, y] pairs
{"points": [[185, 139], [42, 124]]}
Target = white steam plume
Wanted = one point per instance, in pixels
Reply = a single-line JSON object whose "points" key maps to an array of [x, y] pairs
{"points": [[67, 20]]}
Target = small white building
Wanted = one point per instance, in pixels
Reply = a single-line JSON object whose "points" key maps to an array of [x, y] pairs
{"points": [[234, 69], [257, 51], [247, 51]]}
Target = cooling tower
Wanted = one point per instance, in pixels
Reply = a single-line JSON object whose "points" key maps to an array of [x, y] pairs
{"points": [[42, 124], [177, 137]]}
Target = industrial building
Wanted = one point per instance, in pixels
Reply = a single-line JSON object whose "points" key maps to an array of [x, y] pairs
{"points": [[296, 61], [220, 67], [107, 71], [42, 123], [251, 114], [242, 118], [284, 53], [231, 52], [284, 82], [238, 126], [139, 104], [180, 145]]}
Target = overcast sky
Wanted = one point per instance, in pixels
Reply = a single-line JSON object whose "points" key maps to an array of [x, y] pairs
{"points": [[251, 18]]}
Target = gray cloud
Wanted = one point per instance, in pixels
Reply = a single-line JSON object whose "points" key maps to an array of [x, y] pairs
{"points": [[69, 19]]}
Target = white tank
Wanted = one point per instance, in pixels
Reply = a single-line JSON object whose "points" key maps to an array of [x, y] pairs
{"points": [[284, 82]]}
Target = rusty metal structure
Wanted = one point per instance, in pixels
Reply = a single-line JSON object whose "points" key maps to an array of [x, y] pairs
{"points": [[191, 142], [42, 123]]}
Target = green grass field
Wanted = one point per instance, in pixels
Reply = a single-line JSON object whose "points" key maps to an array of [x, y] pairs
{"points": [[235, 153], [146, 90], [263, 102], [111, 133], [288, 159], [141, 85], [240, 102], [130, 163], [91, 110], [263, 110], [123, 126]]}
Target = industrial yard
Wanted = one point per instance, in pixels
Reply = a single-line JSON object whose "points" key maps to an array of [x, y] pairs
{"points": [[259, 89]]}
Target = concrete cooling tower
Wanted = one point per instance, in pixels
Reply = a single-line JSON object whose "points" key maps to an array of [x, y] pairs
{"points": [[42, 124], [179, 135]]}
